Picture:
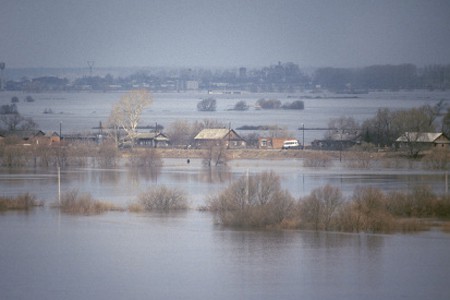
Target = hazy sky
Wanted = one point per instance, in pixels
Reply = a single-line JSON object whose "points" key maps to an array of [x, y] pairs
{"points": [[229, 33]]}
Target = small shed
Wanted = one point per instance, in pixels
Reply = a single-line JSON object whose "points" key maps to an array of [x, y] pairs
{"points": [[219, 136]]}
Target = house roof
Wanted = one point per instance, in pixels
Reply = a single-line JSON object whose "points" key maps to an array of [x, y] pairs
{"points": [[212, 134], [26, 134], [422, 137], [152, 136]]}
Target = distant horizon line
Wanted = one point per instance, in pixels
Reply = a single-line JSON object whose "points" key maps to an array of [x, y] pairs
{"points": [[219, 67]]}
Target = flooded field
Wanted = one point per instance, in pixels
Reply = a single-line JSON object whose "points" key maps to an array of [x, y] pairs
{"points": [[121, 255]]}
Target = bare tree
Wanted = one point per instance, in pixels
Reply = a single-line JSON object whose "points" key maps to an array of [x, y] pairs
{"points": [[342, 125], [181, 133], [378, 130], [127, 112], [16, 121], [215, 154]]}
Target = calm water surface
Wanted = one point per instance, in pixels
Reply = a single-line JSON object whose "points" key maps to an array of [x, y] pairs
{"points": [[122, 185], [45, 255]]}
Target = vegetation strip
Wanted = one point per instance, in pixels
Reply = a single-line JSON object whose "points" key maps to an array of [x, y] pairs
{"points": [[257, 201]]}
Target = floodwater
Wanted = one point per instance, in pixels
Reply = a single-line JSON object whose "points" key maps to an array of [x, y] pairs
{"points": [[121, 255], [80, 112], [45, 255]]}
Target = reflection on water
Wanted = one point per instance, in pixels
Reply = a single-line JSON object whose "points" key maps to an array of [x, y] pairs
{"points": [[185, 256], [122, 185], [144, 174]]}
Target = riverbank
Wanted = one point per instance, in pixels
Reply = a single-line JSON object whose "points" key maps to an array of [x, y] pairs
{"points": [[266, 153]]}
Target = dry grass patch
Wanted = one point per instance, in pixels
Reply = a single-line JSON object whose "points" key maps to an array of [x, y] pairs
{"points": [[21, 202], [75, 203]]}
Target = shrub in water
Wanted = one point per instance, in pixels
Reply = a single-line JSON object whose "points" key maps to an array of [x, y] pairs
{"points": [[318, 209], [163, 198], [73, 202], [253, 201], [317, 160], [24, 201]]}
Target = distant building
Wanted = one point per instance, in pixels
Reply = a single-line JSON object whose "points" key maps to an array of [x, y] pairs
{"points": [[152, 139], [192, 85], [29, 137], [338, 141], [242, 73], [221, 136]]}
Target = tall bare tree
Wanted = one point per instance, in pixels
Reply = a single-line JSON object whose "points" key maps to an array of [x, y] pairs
{"points": [[126, 113]]}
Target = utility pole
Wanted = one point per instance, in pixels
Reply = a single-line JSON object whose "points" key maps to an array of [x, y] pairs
{"points": [[91, 66], [303, 136], [2, 67], [59, 165]]}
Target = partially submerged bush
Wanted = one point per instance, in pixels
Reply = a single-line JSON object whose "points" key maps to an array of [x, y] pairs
{"points": [[421, 202], [208, 104], [317, 160], [147, 158], [437, 159], [369, 212], [25, 201], [317, 210], [359, 160], [241, 105], [298, 104], [72, 202], [253, 201], [268, 103], [14, 155], [162, 198], [107, 155]]}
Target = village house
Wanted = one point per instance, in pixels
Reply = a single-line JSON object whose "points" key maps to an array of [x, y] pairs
{"points": [[430, 139], [338, 140], [152, 139], [222, 136], [29, 137]]}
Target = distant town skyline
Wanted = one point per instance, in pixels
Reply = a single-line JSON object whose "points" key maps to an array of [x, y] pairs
{"points": [[212, 34]]}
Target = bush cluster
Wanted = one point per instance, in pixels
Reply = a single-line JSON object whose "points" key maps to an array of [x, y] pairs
{"points": [[24, 201], [73, 202], [253, 201], [259, 201], [161, 198], [318, 160]]}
